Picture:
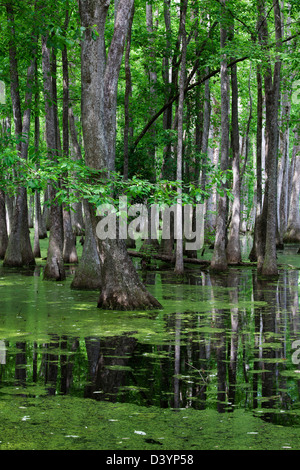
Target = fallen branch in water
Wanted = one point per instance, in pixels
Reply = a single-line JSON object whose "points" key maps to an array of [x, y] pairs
{"points": [[168, 259], [171, 259]]}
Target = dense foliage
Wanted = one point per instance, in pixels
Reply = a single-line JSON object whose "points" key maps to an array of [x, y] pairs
{"points": [[231, 149]]}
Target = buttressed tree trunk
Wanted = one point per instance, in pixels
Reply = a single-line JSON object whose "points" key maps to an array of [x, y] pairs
{"points": [[19, 250], [121, 287]]}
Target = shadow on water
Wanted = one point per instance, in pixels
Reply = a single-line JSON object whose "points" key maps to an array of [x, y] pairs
{"points": [[223, 342]]}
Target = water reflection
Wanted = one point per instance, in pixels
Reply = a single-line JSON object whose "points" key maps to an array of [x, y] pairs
{"points": [[231, 347], [108, 366]]}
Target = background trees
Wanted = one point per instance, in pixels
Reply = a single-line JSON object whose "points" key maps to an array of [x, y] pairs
{"points": [[208, 108]]}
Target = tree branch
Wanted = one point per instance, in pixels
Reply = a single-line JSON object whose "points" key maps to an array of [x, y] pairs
{"points": [[190, 87]]}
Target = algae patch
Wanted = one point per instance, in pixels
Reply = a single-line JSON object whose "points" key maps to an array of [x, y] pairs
{"points": [[76, 424]]}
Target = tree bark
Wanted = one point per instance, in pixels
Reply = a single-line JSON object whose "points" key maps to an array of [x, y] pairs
{"points": [[10, 204], [3, 226], [292, 234], [257, 248], [128, 130], [272, 88], [213, 158], [219, 259], [167, 171], [54, 269], [283, 188], [179, 266], [88, 273], [152, 77], [69, 247], [121, 286], [205, 133], [285, 163], [19, 250], [77, 213], [233, 249], [37, 205]]}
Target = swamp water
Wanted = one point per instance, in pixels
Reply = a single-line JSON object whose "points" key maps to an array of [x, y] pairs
{"points": [[216, 369]]}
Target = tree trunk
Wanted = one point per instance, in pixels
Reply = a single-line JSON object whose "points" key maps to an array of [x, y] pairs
{"points": [[272, 87], [283, 188], [37, 202], [30, 204], [257, 247], [19, 250], [152, 77], [219, 259], [292, 234], [121, 286], [3, 227], [10, 204], [233, 249], [285, 162], [54, 269], [77, 213], [205, 133], [69, 248], [179, 266], [88, 273], [167, 171], [211, 202], [46, 209], [128, 130], [36, 244]]}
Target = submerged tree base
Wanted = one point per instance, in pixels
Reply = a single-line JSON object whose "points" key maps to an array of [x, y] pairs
{"points": [[20, 256], [218, 263], [88, 273], [86, 281], [137, 298], [54, 269], [122, 288], [292, 235], [19, 251], [87, 277], [269, 268]]}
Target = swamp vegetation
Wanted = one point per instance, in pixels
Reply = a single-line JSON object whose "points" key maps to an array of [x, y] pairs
{"points": [[217, 368], [128, 344]]}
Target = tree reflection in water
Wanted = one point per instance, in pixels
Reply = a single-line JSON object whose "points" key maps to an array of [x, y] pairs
{"points": [[233, 352]]}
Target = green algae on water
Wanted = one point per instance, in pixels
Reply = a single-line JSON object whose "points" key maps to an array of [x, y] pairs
{"points": [[64, 423]]}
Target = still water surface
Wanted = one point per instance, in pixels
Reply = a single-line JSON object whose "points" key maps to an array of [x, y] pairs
{"points": [[217, 368]]}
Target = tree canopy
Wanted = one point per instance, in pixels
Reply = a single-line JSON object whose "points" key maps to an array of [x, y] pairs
{"points": [[199, 102]]}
